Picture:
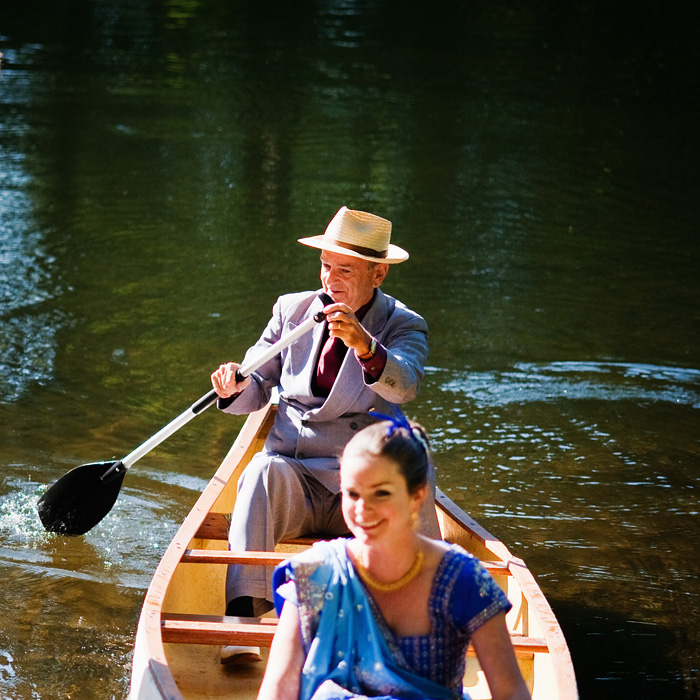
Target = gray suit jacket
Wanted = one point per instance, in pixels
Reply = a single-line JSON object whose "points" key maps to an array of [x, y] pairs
{"points": [[315, 430]]}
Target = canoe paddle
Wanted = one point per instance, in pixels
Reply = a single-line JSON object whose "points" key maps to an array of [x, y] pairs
{"points": [[83, 496]]}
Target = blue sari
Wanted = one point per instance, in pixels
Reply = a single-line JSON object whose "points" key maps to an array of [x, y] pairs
{"points": [[351, 652]]}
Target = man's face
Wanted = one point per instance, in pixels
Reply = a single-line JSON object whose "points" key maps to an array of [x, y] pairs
{"points": [[349, 280]]}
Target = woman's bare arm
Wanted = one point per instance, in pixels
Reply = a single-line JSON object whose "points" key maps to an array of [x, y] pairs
{"points": [[497, 659], [282, 678]]}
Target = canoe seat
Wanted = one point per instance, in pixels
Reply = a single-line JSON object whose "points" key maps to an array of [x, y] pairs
{"points": [[223, 556], [219, 556], [217, 629], [524, 647], [215, 527], [259, 631]]}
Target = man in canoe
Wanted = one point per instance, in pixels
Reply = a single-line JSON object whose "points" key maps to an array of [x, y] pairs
{"points": [[369, 356]]}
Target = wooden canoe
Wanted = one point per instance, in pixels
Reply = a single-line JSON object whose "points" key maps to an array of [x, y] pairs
{"points": [[182, 625]]}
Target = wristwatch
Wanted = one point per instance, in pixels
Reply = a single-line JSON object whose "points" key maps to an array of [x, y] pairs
{"points": [[372, 351]]}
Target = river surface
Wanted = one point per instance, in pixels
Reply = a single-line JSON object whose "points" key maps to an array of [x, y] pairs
{"points": [[539, 160]]}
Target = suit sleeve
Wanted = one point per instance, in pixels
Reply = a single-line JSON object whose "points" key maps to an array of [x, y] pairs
{"points": [[405, 340]]}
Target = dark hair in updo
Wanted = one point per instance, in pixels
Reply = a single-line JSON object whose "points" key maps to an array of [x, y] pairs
{"points": [[408, 448]]}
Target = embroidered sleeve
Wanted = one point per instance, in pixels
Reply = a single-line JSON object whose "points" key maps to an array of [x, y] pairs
{"points": [[476, 597], [288, 592]]}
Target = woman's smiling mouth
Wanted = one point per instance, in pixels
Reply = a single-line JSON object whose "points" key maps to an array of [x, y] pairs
{"points": [[367, 526]]}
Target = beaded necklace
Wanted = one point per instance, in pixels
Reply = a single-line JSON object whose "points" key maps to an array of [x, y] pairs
{"points": [[394, 585]]}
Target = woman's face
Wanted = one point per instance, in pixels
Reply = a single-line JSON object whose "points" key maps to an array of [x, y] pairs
{"points": [[376, 501]]}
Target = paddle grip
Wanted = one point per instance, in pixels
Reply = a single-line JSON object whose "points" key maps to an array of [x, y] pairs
{"points": [[207, 400]]}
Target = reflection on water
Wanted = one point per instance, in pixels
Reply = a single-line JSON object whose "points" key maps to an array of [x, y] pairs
{"points": [[28, 323]]}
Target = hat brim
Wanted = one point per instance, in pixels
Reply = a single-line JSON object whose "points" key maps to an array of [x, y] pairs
{"points": [[394, 255]]}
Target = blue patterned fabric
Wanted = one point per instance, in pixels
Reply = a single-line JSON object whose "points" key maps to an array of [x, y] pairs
{"points": [[350, 650]]}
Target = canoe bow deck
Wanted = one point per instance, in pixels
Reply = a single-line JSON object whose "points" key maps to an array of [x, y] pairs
{"points": [[182, 626]]}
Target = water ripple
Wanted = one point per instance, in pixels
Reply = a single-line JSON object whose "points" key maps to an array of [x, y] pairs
{"points": [[113, 552], [605, 381], [27, 329]]}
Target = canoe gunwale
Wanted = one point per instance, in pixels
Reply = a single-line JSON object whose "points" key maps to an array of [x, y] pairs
{"points": [[535, 598], [150, 619]]}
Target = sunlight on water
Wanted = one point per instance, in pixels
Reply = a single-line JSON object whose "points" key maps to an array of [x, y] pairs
{"points": [[27, 329], [184, 481], [603, 381], [18, 518], [538, 435], [6, 669]]}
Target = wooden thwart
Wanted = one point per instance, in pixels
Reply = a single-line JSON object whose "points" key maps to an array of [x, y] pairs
{"points": [[215, 527], [217, 629], [259, 631], [219, 556]]}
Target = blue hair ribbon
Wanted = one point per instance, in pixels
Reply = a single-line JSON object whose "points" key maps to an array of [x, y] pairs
{"points": [[399, 421]]}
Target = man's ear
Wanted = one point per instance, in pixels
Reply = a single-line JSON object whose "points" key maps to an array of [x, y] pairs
{"points": [[381, 270]]}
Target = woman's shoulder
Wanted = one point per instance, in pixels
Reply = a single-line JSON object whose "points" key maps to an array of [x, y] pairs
{"points": [[455, 569], [322, 552], [312, 569], [446, 553]]}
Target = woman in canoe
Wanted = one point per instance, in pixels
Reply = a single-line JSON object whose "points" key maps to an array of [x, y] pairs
{"points": [[389, 613]]}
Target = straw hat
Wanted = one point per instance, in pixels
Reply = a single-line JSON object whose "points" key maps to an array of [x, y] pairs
{"points": [[359, 234]]}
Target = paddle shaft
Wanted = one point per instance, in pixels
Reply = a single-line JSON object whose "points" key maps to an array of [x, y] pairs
{"points": [[210, 397]]}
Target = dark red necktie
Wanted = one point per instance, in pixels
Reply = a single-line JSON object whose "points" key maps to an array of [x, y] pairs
{"points": [[331, 358], [329, 361]]}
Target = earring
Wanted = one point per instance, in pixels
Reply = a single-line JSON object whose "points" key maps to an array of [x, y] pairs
{"points": [[414, 520]]}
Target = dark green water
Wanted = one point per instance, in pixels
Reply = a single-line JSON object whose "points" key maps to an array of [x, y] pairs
{"points": [[158, 161]]}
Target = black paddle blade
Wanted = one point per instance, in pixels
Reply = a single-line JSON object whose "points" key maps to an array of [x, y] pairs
{"points": [[81, 498]]}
